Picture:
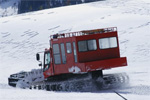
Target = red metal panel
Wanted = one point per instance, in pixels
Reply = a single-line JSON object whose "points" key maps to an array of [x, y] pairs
{"points": [[106, 64]]}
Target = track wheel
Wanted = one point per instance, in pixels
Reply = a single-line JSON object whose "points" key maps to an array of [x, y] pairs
{"points": [[47, 87]]}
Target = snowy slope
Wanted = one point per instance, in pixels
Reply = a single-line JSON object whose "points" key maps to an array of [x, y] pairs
{"points": [[8, 7], [21, 36]]}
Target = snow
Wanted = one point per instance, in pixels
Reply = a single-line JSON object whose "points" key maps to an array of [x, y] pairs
{"points": [[22, 36], [74, 69], [9, 7], [40, 95], [36, 75]]}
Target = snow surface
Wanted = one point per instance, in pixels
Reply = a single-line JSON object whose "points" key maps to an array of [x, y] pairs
{"points": [[22, 36], [9, 7]]}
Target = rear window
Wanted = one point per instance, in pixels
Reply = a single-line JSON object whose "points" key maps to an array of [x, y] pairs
{"points": [[106, 43]]}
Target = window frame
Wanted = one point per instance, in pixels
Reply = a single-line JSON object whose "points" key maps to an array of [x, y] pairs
{"points": [[63, 53], [68, 48], [79, 46], [100, 43], [57, 54], [46, 64], [87, 46], [115, 41], [110, 47], [75, 52]]}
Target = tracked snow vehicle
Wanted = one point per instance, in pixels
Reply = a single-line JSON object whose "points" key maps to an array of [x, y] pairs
{"points": [[75, 62]]}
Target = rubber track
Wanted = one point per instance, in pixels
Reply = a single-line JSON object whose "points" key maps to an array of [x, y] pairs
{"points": [[107, 82]]}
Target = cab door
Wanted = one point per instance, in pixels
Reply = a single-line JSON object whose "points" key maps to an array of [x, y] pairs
{"points": [[48, 66]]}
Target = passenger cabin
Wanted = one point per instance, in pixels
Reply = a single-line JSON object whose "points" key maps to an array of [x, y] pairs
{"points": [[83, 51]]}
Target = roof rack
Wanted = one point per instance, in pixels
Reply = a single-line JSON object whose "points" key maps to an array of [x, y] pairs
{"points": [[85, 32]]}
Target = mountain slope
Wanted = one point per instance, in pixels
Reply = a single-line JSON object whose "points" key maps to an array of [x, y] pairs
{"points": [[21, 36], [8, 7]]}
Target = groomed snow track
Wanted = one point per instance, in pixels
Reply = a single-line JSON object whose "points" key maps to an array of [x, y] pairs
{"points": [[35, 80]]}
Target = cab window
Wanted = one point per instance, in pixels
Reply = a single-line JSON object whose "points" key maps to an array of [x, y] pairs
{"points": [[68, 46], [63, 55], [75, 52], [82, 46], [92, 45], [46, 61], [56, 53], [88, 45]]}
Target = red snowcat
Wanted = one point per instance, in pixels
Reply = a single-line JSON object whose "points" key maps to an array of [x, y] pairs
{"points": [[75, 62]]}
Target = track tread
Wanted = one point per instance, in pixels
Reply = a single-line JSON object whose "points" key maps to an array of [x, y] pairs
{"points": [[79, 84]]}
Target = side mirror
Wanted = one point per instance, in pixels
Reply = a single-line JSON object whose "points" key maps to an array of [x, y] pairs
{"points": [[40, 64], [37, 57]]}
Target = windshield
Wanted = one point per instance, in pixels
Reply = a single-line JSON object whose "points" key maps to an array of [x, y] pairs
{"points": [[46, 61]]}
